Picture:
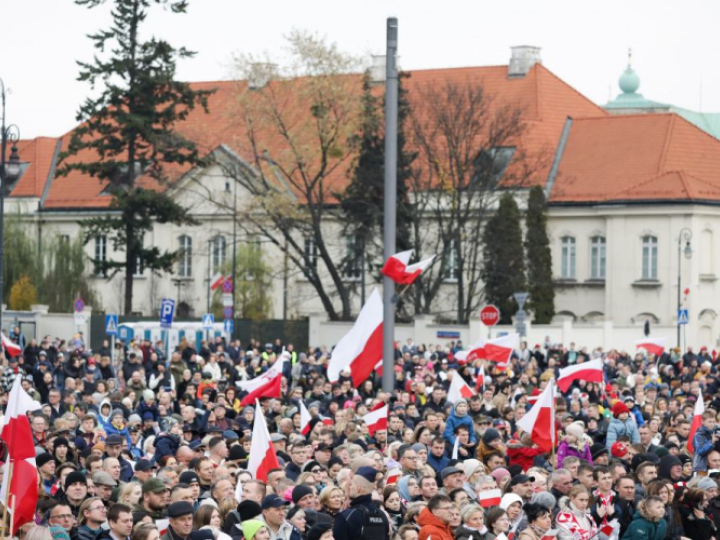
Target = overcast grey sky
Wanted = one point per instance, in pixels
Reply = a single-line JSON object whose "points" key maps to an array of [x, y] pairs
{"points": [[675, 45]]}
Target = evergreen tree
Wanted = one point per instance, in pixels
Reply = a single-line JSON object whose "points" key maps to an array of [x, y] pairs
{"points": [[539, 260], [128, 129], [504, 260]]}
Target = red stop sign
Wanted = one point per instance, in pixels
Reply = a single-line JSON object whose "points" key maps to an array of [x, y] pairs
{"points": [[489, 315]]}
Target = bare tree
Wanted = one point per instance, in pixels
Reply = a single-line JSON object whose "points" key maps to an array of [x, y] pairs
{"points": [[469, 148]]}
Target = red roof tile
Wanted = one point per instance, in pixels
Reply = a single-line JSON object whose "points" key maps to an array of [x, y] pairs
{"points": [[38, 154]]}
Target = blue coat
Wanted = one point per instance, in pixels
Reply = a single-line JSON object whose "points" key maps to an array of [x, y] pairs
{"points": [[453, 422], [617, 428]]}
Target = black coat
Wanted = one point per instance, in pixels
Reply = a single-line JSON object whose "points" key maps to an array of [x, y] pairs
{"points": [[349, 523]]}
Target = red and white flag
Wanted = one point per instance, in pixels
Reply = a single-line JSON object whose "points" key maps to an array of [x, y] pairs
{"points": [[12, 348], [476, 351], [163, 524], [539, 421], [393, 476], [216, 281], [376, 419], [482, 379], [398, 269], [500, 349], [696, 421], [655, 346], [610, 527], [20, 486], [304, 419], [490, 498], [459, 389], [587, 371], [267, 385], [361, 348], [262, 453], [549, 535]]}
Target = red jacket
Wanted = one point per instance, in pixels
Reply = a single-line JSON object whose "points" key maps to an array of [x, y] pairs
{"points": [[433, 527], [519, 454]]}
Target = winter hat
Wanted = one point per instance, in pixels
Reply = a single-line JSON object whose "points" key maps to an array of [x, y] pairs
{"points": [[60, 441], [250, 528], [500, 473], [576, 429], [706, 483], [470, 466], [148, 395], [544, 498], [490, 435], [248, 510], [461, 401], [73, 478], [510, 498], [597, 450], [620, 408], [418, 447], [116, 412], [59, 533], [43, 459], [619, 450], [316, 531], [301, 491]]}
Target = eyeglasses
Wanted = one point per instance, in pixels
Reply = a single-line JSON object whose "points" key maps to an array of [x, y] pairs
{"points": [[315, 470], [444, 507], [98, 508], [62, 516]]}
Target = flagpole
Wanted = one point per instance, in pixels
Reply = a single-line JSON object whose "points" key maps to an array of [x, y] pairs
{"points": [[3, 527], [553, 428], [12, 514]]}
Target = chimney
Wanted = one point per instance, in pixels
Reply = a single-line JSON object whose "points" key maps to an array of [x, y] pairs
{"points": [[377, 68], [522, 59], [260, 74]]}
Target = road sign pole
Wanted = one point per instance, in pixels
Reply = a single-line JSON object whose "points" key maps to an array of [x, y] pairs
{"points": [[112, 349]]}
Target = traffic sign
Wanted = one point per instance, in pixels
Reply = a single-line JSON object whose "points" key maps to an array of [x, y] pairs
{"points": [[229, 326], [683, 316], [490, 315], [227, 299], [167, 312], [111, 324], [521, 298], [208, 320], [228, 312], [80, 318], [227, 285], [79, 305]]}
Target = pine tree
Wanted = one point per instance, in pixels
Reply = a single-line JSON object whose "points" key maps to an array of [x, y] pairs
{"points": [[129, 128], [539, 260], [504, 259]]}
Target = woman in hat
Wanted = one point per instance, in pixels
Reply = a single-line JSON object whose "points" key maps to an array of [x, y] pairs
{"points": [[512, 503]]}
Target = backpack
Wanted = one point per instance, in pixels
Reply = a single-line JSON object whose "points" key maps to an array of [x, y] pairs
{"points": [[374, 527]]}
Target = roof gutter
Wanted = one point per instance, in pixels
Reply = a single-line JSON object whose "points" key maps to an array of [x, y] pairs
{"points": [[558, 157]]}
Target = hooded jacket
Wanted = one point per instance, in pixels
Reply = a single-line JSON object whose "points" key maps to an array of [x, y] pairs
{"points": [[431, 526], [643, 527], [454, 421], [618, 428], [520, 454], [666, 464], [703, 444]]}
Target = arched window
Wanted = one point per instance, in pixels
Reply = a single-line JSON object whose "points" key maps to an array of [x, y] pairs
{"points": [[597, 257], [567, 257], [649, 257], [185, 261], [219, 252]]}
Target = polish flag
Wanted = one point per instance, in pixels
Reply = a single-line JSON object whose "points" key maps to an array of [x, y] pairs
{"points": [[587, 371], [500, 349], [304, 419], [262, 453], [376, 419], [549, 535], [490, 498], [398, 270], [696, 421], [461, 357], [539, 422], [459, 389], [393, 476], [476, 351], [216, 281], [655, 346], [362, 347], [480, 382], [20, 478], [267, 385], [163, 524], [12, 348], [608, 528]]}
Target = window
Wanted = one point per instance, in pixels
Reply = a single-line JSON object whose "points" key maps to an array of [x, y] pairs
{"points": [[100, 255], [597, 257], [452, 266], [567, 257], [311, 253], [353, 258], [185, 260], [254, 262], [65, 239], [490, 166], [218, 248], [139, 267], [649, 257]]}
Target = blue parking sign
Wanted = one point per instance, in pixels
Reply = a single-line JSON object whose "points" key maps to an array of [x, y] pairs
{"points": [[111, 324], [167, 312], [229, 326]]}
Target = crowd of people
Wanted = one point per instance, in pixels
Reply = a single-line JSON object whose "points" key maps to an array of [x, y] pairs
{"points": [[132, 443]]}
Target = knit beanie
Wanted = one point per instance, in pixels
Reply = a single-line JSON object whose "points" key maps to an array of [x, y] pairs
{"points": [[316, 531], [576, 429], [620, 408], [43, 459], [490, 435], [148, 395], [58, 533], [250, 528], [544, 498], [73, 478], [300, 491], [248, 510], [706, 483]]}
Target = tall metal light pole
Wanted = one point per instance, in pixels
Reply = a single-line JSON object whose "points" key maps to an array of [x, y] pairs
{"points": [[389, 222], [9, 172], [684, 236]]}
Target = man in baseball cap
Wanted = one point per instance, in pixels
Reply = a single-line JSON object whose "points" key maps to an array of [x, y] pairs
{"points": [[154, 498]]}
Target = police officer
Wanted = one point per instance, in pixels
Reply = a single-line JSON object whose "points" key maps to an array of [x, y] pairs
{"points": [[363, 515]]}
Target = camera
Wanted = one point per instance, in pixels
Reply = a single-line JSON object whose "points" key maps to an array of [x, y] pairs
{"points": [[716, 430]]}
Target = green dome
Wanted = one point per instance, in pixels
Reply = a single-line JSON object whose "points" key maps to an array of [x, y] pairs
{"points": [[629, 81]]}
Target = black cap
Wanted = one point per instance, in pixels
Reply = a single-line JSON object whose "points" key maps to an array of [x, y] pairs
{"points": [[273, 501], [323, 446], [143, 465], [368, 473], [113, 440], [521, 479], [447, 471], [317, 530], [236, 453], [202, 534], [43, 459], [248, 510], [74, 478], [188, 477], [302, 491], [180, 508]]}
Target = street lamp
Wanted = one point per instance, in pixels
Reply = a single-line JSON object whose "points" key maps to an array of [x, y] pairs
{"points": [[9, 172], [684, 236]]}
